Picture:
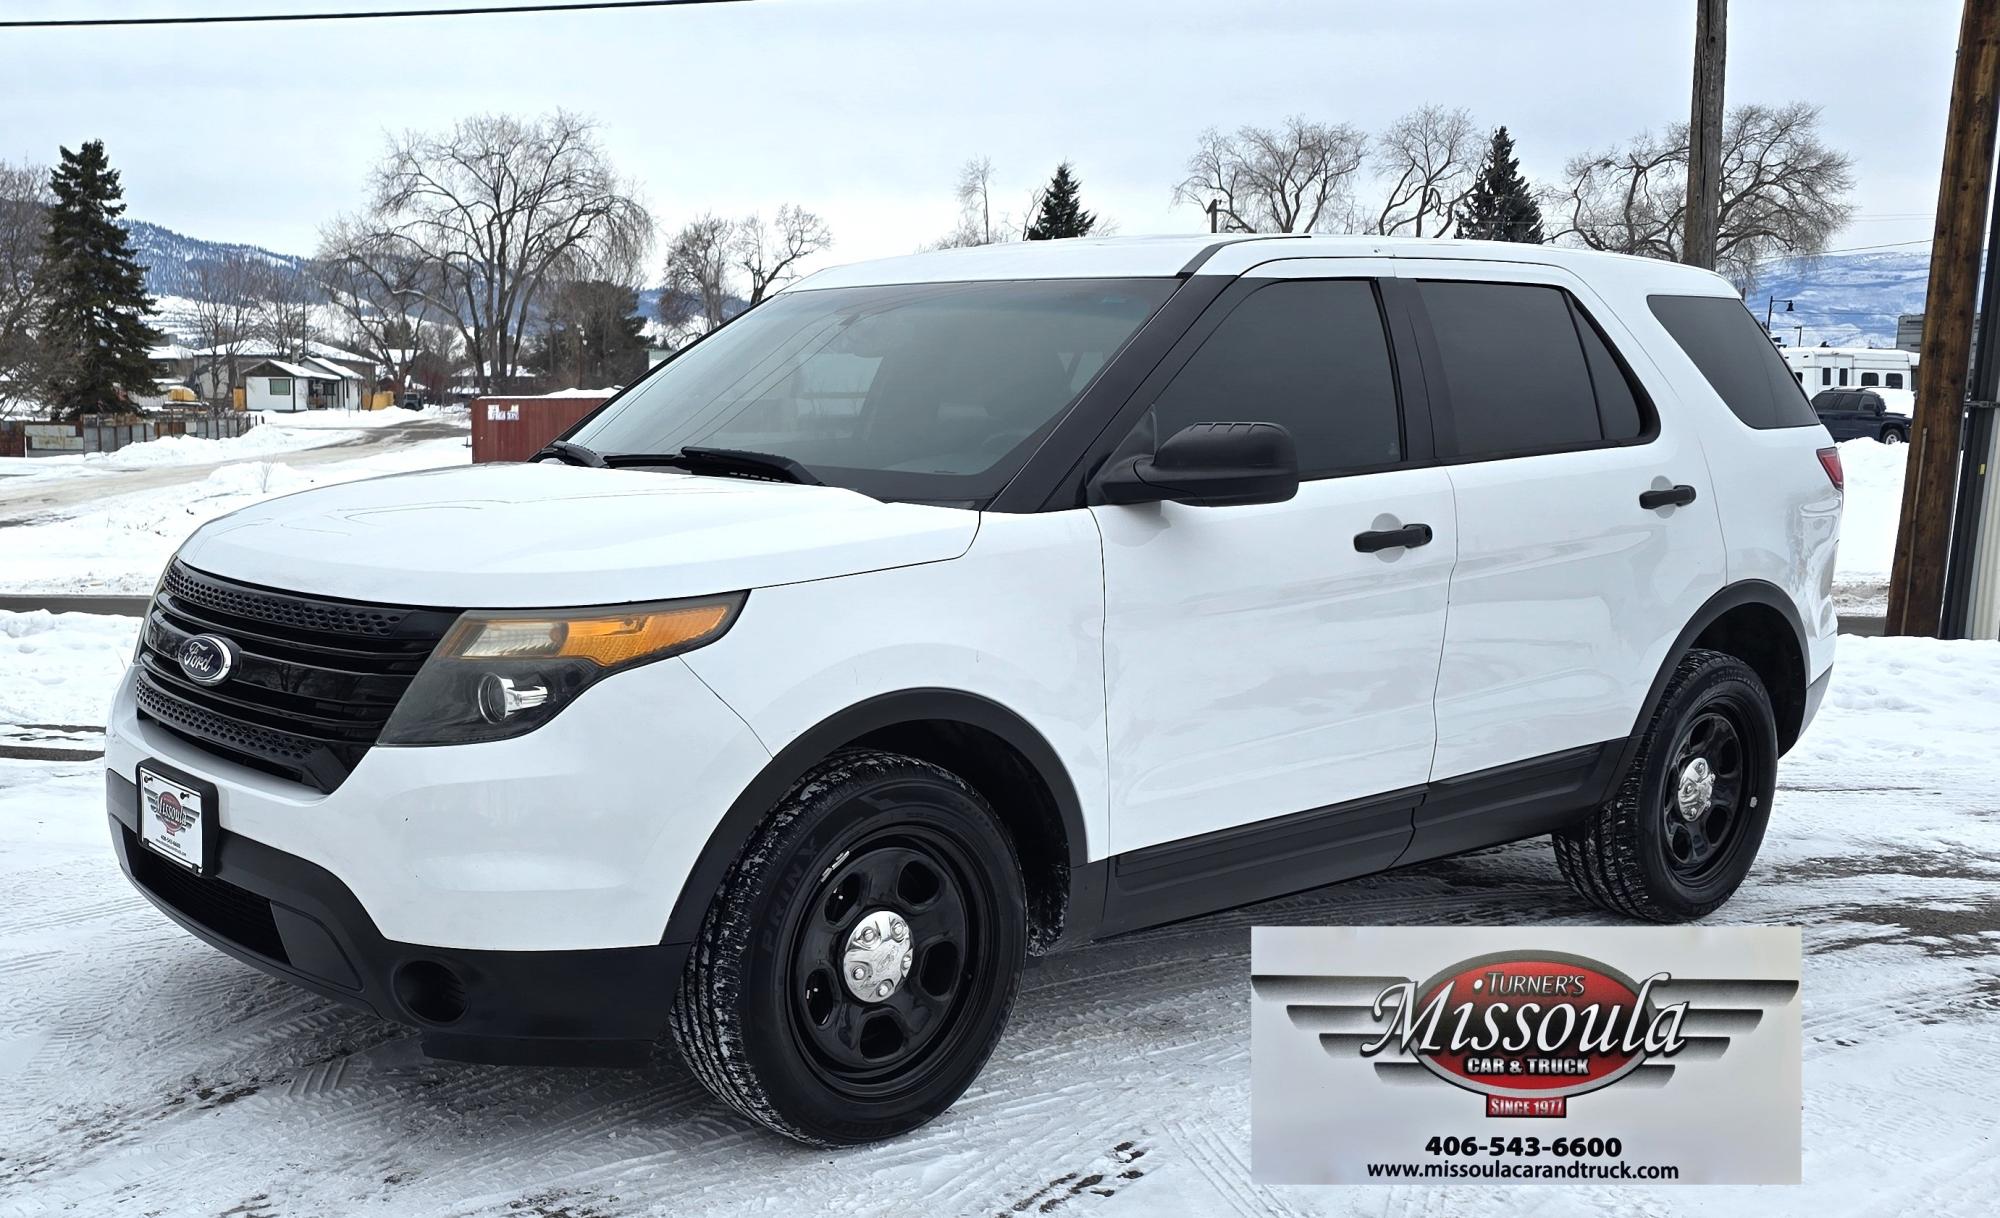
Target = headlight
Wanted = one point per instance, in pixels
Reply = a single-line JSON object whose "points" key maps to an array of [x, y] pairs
{"points": [[506, 672]]}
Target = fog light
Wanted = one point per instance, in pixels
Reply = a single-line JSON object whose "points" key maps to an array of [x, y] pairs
{"points": [[499, 697], [430, 991]]}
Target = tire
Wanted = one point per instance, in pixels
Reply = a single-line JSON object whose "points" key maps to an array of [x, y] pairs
{"points": [[765, 1014], [1647, 854], [1893, 435]]}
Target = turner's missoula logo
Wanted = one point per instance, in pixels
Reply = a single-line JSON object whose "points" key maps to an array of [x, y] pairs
{"points": [[1528, 1030]]}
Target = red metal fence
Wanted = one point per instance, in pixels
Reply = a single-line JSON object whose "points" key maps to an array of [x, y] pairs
{"points": [[514, 428]]}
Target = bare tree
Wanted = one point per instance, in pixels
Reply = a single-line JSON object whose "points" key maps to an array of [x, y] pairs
{"points": [[24, 226], [695, 298], [503, 207], [1428, 157], [390, 297], [770, 255], [221, 315], [1293, 179], [1783, 192], [286, 304]]}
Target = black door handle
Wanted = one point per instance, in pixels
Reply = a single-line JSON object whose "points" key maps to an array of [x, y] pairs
{"points": [[1673, 496], [1410, 536]]}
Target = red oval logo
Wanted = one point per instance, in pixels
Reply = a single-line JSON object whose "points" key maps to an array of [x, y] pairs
{"points": [[1530, 1025]]}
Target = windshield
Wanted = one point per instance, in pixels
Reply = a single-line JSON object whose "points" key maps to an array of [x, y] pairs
{"points": [[932, 392]]}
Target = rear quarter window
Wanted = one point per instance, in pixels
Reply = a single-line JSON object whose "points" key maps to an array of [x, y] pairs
{"points": [[1737, 358]]}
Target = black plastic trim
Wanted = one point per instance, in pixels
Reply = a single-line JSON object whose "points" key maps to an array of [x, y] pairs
{"points": [[1743, 592], [1509, 802], [1254, 862], [755, 802], [599, 1006]]}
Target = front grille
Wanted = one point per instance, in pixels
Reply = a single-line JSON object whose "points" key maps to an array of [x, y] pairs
{"points": [[315, 679], [235, 914]]}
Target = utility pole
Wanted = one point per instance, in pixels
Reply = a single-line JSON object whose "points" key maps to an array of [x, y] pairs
{"points": [[1923, 539], [1704, 197]]}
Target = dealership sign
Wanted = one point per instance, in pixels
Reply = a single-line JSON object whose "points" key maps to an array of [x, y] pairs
{"points": [[1615, 1039]]}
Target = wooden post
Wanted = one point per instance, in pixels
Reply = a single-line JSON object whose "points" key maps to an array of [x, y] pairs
{"points": [[1704, 197], [1923, 538]]}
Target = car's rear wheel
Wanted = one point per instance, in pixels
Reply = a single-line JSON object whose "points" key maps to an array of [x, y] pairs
{"points": [[858, 962], [1680, 834]]}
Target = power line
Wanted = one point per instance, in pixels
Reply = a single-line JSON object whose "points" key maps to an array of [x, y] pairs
{"points": [[483, 10]]}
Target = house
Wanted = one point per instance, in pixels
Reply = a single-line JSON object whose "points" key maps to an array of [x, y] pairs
{"points": [[210, 374], [309, 383]]}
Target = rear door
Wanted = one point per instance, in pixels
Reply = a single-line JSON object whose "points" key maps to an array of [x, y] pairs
{"points": [[1257, 662], [1587, 534]]}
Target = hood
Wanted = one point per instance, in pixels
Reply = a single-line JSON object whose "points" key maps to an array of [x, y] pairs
{"points": [[510, 536]]}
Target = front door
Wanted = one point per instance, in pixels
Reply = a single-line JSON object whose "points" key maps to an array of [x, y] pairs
{"points": [[1258, 660]]}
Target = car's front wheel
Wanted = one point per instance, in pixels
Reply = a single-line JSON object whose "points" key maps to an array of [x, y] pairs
{"points": [[1680, 834], [858, 963], [1893, 435]]}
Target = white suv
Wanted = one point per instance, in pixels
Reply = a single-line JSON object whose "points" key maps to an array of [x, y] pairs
{"points": [[949, 609]]}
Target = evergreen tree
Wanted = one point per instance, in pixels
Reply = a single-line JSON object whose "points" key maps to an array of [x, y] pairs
{"points": [[94, 322], [1501, 207], [1062, 214]]}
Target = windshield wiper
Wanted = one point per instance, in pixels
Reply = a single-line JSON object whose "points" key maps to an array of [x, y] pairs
{"points": [[571, 453], [738, 462]]}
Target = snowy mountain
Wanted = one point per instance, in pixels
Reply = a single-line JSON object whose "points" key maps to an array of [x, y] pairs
{"points": [[170, 258], [1849, 300]]}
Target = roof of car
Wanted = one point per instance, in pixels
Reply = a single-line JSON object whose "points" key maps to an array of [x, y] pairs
{"points": [[1226, 253]]}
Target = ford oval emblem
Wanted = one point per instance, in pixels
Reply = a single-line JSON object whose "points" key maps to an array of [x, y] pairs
{"points": [[207, 658]]}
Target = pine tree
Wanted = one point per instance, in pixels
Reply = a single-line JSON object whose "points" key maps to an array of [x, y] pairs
{"points": [[94, 322], [1501, 206], [1062, 215]]}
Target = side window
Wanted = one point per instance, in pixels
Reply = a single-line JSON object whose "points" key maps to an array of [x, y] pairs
{"points": [[1800, 377], [1514, 368], [1869, 378], [1826, 376], [1618, 411], [1895, 380], [1735, 356], [1311, 355]]}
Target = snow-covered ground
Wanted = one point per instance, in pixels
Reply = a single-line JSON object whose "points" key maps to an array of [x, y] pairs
{"points": [[1868, 523], [145, 1073], [106, 539]]}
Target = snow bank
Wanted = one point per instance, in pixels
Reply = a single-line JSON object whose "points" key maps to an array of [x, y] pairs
{"points": [[1874, 505], [1908, 703], [121, 546], [61, 668]]}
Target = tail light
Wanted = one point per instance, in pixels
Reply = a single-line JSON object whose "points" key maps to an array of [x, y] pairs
{"points": [[1829, 460]]}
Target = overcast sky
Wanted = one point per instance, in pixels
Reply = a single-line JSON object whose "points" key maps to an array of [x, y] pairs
{"points": [[863, 109]]}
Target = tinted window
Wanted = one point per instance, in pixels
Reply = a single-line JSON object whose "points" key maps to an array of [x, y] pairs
{"points": [[1308, 354], [1736, 356], [1895, 380], [1513, 367], [1843, 376], [1618, 409], [1825, 375], [1869, 378], [925, 391]]}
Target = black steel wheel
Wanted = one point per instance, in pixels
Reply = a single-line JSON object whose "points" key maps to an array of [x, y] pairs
{"points": [[859, 960], [1681, 832]]}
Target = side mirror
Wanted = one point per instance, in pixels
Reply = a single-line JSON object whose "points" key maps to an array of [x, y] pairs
{"points": [[1210, 465]]}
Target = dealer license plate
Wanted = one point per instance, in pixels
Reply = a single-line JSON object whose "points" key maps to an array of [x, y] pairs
{"points": [[175, 819]]}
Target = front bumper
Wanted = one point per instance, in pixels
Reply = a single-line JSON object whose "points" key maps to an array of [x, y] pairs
{"points": [[295, 920], [575, 836]]}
